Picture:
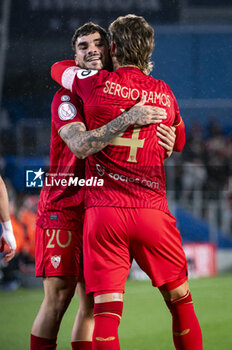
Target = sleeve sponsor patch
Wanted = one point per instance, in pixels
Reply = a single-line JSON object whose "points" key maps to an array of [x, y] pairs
{"points": [[85, 73], [65, 98], [67, 111]]}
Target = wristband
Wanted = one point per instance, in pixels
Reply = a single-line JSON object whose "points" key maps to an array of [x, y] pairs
{"points": [[7, 234]]}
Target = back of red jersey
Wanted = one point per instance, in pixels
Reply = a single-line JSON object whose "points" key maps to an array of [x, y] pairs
{"points": [[132, 165], [61, 203]]}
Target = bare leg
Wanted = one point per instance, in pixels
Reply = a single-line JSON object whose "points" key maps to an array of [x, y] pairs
{"points": [[58, 292], [84, 322], [178, 292]]}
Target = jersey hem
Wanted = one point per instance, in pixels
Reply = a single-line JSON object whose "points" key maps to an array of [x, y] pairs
{"points": [[129, 207], [56, 275], [173, 279]]}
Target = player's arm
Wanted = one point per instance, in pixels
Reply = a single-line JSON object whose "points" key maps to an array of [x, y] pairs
{"points": [[172, 138], [77, 80], [178, 124], [7, 230], [167, 138], [180, 136], [64, 72], [84, 143]]}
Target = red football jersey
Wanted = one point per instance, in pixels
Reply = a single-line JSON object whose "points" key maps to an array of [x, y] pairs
{"points": [[61, 203], [132, 165]]}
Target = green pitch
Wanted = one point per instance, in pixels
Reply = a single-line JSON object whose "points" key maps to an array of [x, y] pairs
{"points": [[146, 323]]}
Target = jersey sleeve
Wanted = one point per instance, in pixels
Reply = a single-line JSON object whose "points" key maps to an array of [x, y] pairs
{"points": [[180, 128], [63, 73], [71, 77], [84, 82], [180, 137], [66, 108]]}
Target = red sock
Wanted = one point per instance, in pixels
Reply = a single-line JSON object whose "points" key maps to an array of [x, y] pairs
{"points": [[38, 343], [185, 326], [81, 345], [107, 318]]}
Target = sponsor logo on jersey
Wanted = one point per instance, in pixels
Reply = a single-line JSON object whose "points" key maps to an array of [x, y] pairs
{"points": [[100, 169], [85, 73], [65, 98], [67, 111], [55, 260]]}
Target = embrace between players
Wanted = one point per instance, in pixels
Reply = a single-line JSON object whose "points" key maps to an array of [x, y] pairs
{"points": [[125, 143]]}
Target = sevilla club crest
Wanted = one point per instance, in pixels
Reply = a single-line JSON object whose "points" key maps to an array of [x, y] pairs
{"points": [[55, 260]]}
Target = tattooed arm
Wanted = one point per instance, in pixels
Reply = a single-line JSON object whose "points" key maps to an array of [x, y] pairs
{"points": [[84, 143]]}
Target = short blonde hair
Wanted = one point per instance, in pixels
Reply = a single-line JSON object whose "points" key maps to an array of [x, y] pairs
{"points": [[134, 39]]}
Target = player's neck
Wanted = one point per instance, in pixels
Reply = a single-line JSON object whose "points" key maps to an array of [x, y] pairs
{"points": [[116, 65]]}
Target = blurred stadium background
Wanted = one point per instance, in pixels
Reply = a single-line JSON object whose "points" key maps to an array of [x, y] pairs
{"points": [[192, 54]]}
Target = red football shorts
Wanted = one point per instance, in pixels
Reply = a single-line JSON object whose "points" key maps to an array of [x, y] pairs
{"points": [[58, 252], [115, 236]]}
